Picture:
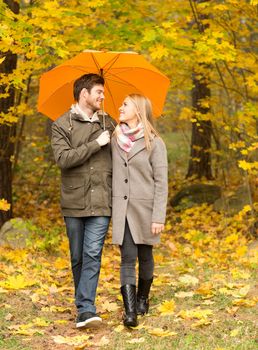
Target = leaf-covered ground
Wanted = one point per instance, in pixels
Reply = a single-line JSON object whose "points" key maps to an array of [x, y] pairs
{"points": [[203, 295]]}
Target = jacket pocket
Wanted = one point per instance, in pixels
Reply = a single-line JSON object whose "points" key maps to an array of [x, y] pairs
{"points": [[107, 179], [73, 192]]}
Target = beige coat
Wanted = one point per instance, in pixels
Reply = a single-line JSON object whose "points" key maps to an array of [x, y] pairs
{"points": [[139, 190]]}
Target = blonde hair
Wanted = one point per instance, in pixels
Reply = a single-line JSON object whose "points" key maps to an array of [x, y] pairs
{"points": [[144, 113]]}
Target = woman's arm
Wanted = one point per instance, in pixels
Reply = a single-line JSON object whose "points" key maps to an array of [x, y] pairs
{"points": [[160, 174]]}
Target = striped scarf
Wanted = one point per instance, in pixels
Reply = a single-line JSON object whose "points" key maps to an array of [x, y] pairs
{"points": [[126, 136]]}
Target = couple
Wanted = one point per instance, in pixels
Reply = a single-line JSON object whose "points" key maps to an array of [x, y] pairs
{"points": [[84, 150]]}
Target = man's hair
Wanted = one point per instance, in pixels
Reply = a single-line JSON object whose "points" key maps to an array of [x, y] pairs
{"points": [[86, 81]]}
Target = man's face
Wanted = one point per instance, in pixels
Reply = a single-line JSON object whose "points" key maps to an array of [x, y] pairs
{"points": [[94, 98]]}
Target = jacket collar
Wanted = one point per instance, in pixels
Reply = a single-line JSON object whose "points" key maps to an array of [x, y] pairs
{"points": [[75, 116]]}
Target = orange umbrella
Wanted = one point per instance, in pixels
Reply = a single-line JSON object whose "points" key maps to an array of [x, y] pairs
{"points": [[124, 73]]}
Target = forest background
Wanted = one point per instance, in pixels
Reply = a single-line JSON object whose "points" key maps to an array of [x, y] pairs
{"points": [[208, 49]]}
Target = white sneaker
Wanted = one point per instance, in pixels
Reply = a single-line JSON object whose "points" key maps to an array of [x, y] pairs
{"points": [[88, 319]]}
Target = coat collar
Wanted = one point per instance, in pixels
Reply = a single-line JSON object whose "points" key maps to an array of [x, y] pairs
{"points": [[138, 147]]}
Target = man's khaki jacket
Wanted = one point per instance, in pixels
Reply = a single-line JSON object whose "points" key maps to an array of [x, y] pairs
{"points": [[86, 168]]}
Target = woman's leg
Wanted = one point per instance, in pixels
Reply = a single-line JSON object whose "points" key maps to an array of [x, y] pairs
{"points": [[146, 261], [146, 269], [128, 258], [128, 277]]}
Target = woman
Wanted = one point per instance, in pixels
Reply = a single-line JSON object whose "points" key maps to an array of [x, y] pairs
{"points": [[138, 201]]}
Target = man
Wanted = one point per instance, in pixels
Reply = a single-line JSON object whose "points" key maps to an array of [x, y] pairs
{"points": [[81, 149]]}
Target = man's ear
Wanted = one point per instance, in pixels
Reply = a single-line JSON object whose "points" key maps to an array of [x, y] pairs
{"points": [[84, 93]]}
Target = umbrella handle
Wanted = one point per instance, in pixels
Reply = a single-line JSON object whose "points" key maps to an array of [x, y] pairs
{"points": [[104, 121], [103, 116]]}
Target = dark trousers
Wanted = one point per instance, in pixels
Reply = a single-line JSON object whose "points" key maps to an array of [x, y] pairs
{"points": [[129, 254]]}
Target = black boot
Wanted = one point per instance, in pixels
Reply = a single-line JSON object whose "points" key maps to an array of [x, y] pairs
{"points": [[143, 296], [129, 297]]}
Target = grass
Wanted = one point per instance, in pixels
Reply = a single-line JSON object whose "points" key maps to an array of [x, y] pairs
{"points": [[7, 341], [217, 335], [229, 328]]}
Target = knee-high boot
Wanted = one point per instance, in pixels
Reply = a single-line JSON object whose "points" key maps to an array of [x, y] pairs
{"points": [[143, 296], [129, 297]]}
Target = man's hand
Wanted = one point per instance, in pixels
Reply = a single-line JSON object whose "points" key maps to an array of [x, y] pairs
{"points": [[156, 228], [103, 138]]}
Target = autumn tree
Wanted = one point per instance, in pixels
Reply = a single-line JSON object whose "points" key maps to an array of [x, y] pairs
{"points": [[222, 56], [8, 62]]}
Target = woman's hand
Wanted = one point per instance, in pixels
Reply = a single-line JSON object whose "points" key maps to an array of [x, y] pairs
{"points": [[156, 228]]}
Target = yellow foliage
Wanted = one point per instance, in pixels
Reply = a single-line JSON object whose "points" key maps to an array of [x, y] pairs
{"points": [[159, 51], [18, 282], [167, 307], [195, 313], [200, 323], [75, 341], [61, 263], [244, 302], [159, 332], [250, 167], [4, 205]]}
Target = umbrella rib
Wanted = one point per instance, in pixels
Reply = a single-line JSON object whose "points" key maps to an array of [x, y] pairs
{"points": [[112, 62], [96, 62], [111, 96]]}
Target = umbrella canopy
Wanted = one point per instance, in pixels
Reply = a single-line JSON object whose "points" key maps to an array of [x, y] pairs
{"points": [[124, 73]]}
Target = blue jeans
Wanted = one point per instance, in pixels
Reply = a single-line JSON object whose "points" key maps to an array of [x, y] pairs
{"points": [[86, 239]]}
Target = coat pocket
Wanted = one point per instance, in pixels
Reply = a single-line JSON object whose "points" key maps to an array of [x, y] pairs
{"points": [[73, 192]]}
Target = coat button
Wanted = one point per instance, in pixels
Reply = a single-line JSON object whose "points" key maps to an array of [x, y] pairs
{"points": [[125, 197], [126, 181], [125, 164]]}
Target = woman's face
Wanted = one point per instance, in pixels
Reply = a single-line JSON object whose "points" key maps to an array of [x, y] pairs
{"points": [[128, 113]]}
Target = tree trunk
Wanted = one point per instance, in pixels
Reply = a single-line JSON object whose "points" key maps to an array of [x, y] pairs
{"points": [[200, 161], [7, 132]]}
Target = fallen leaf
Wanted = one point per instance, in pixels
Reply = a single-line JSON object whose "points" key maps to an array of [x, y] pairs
{"points": [[167, 307], [41, 322], [9, 317], [195, 313], [182, 294], [136, 341], [110, 307], [119, 328], [234, 332], [244, 302], [54, 308], [159, 332], [188, 280], [17, 282], [77, 340], [200, 323]]}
